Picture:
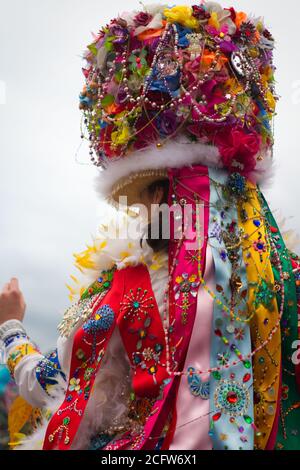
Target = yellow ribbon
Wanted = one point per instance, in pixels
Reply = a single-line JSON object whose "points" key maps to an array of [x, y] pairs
{"points": [[266, 362]]}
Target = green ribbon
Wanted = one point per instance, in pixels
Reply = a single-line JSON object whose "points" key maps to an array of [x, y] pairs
{"points": [[288, 437]]}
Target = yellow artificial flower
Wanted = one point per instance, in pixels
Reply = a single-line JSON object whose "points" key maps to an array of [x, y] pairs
{"points": [[260, 26], [233, 86], [124, 255], [214, 20], [267, 75], [72, 292], [121, 136], [271, 100], [158, 262], [84, 260], [182, 15]]}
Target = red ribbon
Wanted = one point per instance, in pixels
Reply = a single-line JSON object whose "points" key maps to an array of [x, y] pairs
{"points": [[132, 301]]}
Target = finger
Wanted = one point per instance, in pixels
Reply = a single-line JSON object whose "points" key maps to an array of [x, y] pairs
{"points": [[14, 284], [6, 288]]}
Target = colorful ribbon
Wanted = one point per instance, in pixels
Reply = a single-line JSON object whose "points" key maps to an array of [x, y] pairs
{"points": [[263, 306], [231, 400]]}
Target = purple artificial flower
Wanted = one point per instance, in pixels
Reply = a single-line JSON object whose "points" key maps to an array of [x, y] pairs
{"points": [[120, 32], [142, 19], [166, 123], [227, 46], [121, 96]]}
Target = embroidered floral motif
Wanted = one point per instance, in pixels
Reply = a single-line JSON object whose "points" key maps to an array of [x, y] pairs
{"points": [[260, 246], [149, 359], [74, 385], [185, 287], [136, 304], [193, 257], [239, 334], [47, 370], [143, 333], [265, 295], [223, 358]]}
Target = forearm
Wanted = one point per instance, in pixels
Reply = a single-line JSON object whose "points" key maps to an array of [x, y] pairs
{"points": [[32, 371]]}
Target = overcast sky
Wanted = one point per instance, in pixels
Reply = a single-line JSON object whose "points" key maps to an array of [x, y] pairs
{"points": [[48, 207]]}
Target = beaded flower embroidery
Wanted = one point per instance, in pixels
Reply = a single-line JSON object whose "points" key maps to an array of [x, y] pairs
{"points": [[136, 304]]}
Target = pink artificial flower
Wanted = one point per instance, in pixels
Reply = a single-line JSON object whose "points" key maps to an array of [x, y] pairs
{"points": [[238, 149], [223, 37], [211, 96]]}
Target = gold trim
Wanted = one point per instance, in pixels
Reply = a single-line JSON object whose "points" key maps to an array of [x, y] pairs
{"points": [[132, 185]]}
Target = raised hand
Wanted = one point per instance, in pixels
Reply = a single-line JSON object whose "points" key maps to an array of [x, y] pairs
{"points": [[12, 304]]}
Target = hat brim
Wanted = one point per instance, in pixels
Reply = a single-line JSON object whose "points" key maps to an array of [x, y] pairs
{"points": [[133, 185]]}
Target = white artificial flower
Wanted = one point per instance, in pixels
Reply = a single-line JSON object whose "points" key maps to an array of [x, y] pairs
{"points": [[129, 16], [224, 16], [155, 8]]}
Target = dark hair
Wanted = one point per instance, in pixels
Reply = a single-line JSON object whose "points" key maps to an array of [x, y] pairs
{"points": [[158, 244]]}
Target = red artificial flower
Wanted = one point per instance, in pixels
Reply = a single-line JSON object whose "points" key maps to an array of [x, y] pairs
{"points": [[142, 19], [232, 13], [105, 143], [146, 133], [238, 149]]}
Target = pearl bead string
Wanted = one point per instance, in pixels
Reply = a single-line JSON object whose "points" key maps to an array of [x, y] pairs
{"points": [[170, 35], [226, 342]]}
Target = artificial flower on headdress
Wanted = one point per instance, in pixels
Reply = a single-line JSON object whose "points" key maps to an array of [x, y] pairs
{"points": [[122, 135], [238, 149], [182, 15], [167, 72], [220, 18], [240, 18]]}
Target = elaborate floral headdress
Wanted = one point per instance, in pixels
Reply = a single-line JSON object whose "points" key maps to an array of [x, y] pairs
{"points": [[157, 78]]}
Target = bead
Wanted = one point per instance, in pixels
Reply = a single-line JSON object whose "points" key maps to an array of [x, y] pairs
{"points": [[246, 378], [247, 364], [216, 417], [248, 419]]}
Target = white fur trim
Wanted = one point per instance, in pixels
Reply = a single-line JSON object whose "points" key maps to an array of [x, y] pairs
{"points": [[174, 154], [171, 155]]}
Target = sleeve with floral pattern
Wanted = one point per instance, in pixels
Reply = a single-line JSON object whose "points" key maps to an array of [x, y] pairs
{"points": [[33, 372]]}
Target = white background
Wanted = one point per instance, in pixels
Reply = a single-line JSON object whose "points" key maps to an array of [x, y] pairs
{"points": [[48, 208]]}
